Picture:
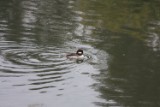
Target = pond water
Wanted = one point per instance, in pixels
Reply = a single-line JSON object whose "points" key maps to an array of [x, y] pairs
{"points": [[120, 39]]}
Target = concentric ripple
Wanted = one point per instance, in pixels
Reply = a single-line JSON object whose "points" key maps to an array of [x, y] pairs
{"points": [[34, 39], [40, 66], [32, 56]]}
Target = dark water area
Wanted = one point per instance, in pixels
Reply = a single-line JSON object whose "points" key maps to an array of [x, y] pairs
{"points": [[120, 39]]}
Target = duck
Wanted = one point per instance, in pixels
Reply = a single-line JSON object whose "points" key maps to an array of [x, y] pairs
{"points": [[77, 56]]}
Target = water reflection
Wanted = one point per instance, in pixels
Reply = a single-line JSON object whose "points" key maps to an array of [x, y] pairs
{"points": [[119, 38], [132, 77], [35, 37], [126, 31]]}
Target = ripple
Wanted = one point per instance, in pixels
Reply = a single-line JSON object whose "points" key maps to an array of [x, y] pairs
{"points": [[29, 58], [33, 51], [4, 27], [37, 67], [42, 88]]}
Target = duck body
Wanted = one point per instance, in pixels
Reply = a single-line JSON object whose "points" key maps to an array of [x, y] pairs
{"points": [[77, 56]]}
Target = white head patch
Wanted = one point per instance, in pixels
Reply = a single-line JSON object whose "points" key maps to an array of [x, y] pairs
{"points": [[79, 52]]}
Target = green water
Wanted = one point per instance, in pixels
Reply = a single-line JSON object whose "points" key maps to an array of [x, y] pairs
{"points": [[120, 39]]}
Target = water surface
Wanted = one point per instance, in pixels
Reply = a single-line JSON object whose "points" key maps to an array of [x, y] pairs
{"points": [[120, 40]]}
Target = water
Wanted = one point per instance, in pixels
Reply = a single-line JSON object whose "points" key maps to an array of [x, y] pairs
{"points": [[120, 40]]}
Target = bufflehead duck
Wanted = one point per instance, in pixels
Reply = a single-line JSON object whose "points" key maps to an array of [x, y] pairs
{"points": [[78, 55]]}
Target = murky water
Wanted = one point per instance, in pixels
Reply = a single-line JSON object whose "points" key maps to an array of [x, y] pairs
{"points": [[120, 40]]}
